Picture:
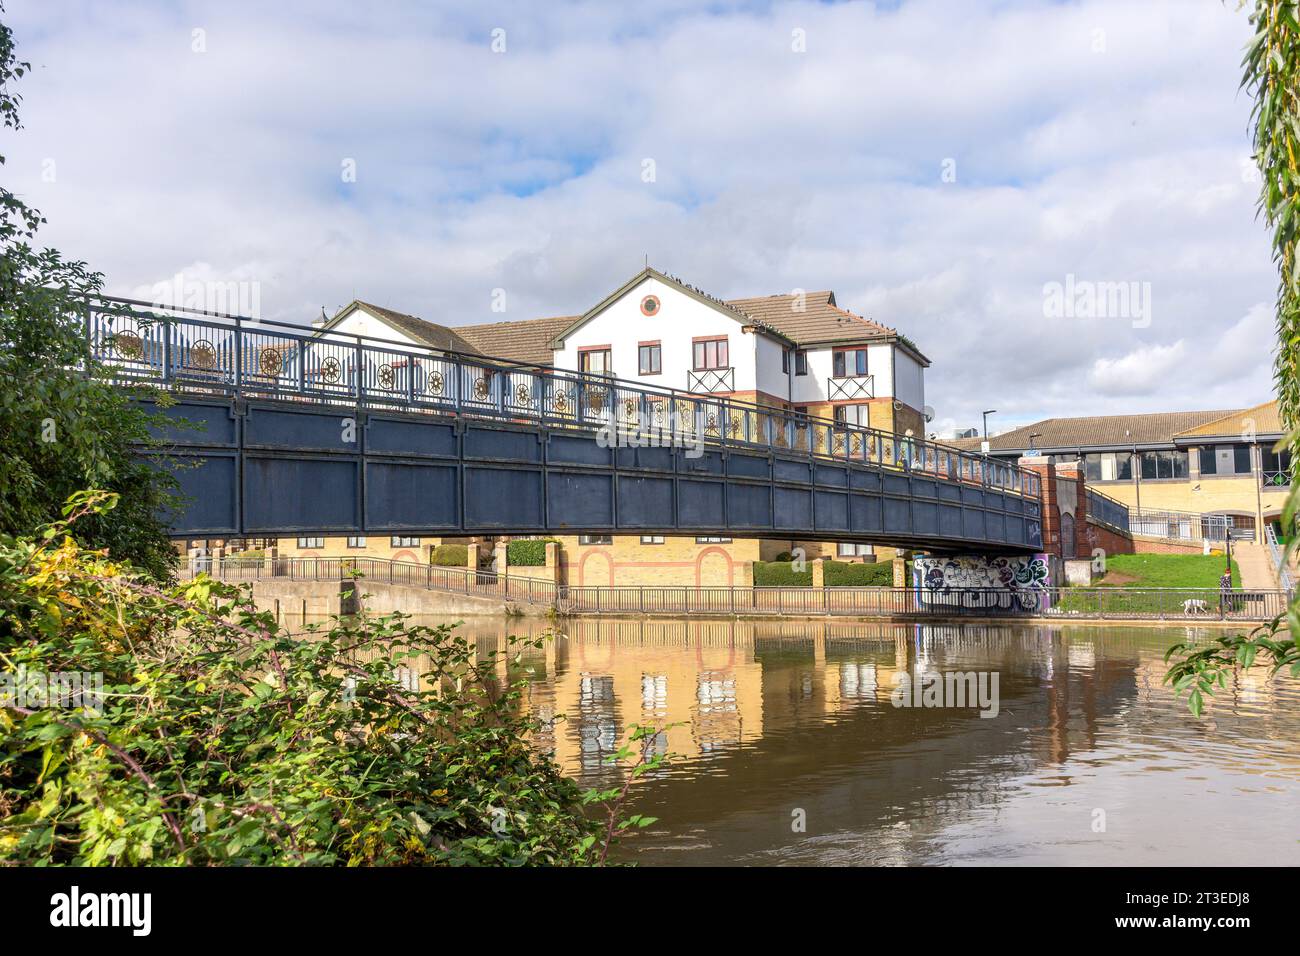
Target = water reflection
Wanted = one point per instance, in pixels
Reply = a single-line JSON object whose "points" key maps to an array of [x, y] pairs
{"points": [[1090, 759]]}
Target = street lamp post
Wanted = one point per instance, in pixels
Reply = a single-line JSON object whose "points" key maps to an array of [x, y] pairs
{"points": [[991, 411]]}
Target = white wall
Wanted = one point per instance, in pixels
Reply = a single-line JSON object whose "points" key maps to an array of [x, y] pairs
{"points": [[911, 380], [680, 319], [361, 322]]}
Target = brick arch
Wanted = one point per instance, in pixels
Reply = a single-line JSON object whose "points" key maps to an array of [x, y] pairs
{"points": [[608, 557], [406, 556], [699, 565]]}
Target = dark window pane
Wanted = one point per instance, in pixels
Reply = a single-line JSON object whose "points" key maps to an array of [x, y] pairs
{"points": [[1207, 461], [1124, 467], [1241, 459], [862, 361], [839, 365]]}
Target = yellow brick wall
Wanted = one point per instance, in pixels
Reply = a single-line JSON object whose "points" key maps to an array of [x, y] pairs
{"points": [[677, 561], [377, 546], [1235, 495]]}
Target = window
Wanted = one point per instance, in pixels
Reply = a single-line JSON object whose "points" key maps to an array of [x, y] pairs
{"points": [[397, 541], [650, 305], [849, 362], [595, 361], [1164, 464], [711, 353], [1277, 466], [652, 539], [785, 361], [1092, 469], [853, 414], [801, 363], [707, 540], [595, 539], [311, 542], [1124, 467], [845, 550], [1225, 460], [648, 358], [357, 542]]}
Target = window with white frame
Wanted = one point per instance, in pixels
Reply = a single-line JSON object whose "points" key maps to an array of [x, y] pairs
{"points": [[357, 541], [311, 542], [398, 541], [853, 415], [652, 539]]}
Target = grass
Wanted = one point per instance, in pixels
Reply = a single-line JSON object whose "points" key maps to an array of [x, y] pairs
{"points": [[1165, 571], [837, 574]]}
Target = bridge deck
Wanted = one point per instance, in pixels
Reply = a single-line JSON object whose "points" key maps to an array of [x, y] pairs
{"points": [[316, 432]]}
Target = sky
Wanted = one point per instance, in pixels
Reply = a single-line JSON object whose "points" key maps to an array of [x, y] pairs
{"points": [[1054, 201]]}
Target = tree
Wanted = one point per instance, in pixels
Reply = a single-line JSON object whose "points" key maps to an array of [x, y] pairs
{"points": [[63, 426], [1272, 77]]}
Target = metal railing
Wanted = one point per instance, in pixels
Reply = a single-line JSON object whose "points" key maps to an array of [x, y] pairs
{"points": [[1182, 604], [219, 354], [1179, 526], [1107, 511], [1280, 478], [851, 389], [711, 380]]}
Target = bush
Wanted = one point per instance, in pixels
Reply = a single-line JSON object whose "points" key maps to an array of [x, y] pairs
{"points": [[875, 574], [527, 553], [784, 556], [450, 555], [770, 574], [219, 738]]}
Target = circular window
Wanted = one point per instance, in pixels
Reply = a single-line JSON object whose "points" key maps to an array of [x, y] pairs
{"points": [[650, 305]]}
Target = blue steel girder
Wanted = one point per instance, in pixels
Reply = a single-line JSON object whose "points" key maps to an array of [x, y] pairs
{"points": [[266, 468]]}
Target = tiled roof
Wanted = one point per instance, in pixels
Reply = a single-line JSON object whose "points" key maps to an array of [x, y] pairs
{"points": [[527, 340], [421, 330], [1103, 431], [1262, 420], [819, 322]]}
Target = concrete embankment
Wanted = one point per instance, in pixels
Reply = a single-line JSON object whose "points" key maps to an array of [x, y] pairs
{"points": [[296, 601]]}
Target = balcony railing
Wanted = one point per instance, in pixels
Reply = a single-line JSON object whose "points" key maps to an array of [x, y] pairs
{"points": [[851, 389], [711, 380], [1109, 512], [135, 343], [1276, 479]]}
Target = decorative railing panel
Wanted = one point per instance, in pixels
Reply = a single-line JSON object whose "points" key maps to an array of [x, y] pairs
{"points": [[205, 354], [851, 389]]}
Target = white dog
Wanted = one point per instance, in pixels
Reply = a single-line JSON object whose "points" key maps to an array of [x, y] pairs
{"points": [[1195, 606]]}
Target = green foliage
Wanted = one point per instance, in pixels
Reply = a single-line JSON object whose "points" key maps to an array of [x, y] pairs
{"points": [[871, 574], [1272, 78], [450, 555], [527, 554], [223, 739], [65, 428], [835, 574], [1166, 571]]}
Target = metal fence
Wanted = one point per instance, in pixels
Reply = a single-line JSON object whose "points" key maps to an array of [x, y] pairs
{"points": [[207, 353], [1183, 604], [1109, 512], [1181, 526], [1277, 554]]}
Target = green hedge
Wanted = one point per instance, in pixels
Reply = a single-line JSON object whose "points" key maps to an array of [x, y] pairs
{"points": [[529, 553], [837, 574], [450, 555]]}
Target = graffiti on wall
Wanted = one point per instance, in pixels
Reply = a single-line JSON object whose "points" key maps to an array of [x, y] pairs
{"points": [[983, 580]]}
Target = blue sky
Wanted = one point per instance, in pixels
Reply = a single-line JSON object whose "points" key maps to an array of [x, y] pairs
{"points": [[794, 145]]}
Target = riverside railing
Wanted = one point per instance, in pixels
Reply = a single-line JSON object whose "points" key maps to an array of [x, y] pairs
{"points": [[219, 354], [1182, 604]]}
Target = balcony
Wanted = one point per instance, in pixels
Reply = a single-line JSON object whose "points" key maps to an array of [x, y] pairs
{"points": [[711, 380], [851, 389]]}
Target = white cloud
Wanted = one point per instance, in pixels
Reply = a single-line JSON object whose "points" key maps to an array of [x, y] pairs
{"points": [[1140, 372], [776, 169]]}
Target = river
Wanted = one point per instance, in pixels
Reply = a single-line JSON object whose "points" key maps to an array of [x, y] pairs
{"points": [[790, 747]]}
